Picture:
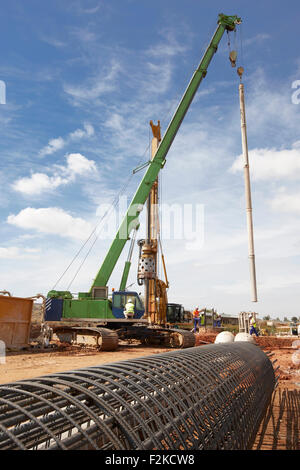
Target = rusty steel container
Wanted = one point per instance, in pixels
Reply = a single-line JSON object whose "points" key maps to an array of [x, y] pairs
{"points": [[15, 321]]}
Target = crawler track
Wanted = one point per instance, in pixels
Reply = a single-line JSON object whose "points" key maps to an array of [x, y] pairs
{"points": [[182, 339], [104, 338], [169, 337]]}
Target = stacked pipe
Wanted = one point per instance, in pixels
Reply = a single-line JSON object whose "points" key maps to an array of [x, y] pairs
{"points": [[208, 397]]}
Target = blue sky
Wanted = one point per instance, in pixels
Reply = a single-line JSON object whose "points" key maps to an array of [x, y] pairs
{"points": [[84, 78]]}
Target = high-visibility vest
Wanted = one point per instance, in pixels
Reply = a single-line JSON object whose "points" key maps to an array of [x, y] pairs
{"points": [[129, 308], [252, 323]]}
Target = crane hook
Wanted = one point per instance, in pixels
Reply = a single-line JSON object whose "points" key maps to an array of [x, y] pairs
{"points": [[240, 71], [232, 58]]}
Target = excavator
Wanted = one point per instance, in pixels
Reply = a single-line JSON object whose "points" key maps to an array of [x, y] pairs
{"points": [[95, 316]]}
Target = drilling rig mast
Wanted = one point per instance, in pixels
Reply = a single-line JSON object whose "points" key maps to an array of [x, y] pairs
{"points": [[155, 289]]}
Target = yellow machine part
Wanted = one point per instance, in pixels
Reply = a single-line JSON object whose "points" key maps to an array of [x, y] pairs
{"points": [[161, 305]]}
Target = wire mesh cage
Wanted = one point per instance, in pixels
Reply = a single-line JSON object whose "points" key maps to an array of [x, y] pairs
{"points": [[208, 397]]}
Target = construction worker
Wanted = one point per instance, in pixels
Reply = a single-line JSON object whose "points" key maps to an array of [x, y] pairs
{"points": [[196, 317], [252, 323], [129, 309], [218, 320]]}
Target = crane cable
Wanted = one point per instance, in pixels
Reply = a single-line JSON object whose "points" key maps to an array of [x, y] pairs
{"points": [[241, 44], [112, 206], [89, 237], [233, 53]]}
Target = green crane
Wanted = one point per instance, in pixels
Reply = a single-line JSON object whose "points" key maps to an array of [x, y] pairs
{"points": [[95, 304], [131, 218]]}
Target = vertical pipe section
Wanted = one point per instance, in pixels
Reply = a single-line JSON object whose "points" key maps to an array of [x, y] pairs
{"points": [[153, 234], [248, 194]]}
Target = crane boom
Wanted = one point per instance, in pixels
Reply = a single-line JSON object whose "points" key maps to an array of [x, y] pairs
{"points": [[131, 218]]}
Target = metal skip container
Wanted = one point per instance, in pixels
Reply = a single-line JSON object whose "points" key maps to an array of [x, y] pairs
{"points": [[15, 321]]}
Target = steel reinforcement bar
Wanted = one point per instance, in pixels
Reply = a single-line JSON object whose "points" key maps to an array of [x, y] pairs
{"points": [[208, 397]]}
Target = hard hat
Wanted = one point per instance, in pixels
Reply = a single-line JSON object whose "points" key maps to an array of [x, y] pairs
{"points": [[130, 301], [197, 308]]}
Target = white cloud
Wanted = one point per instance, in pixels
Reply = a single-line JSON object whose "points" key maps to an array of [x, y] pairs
{"points": [[260, 37], [80, 165], [53, 41], [91, 11], [165, 75], [58, 143], [271, 115], [38, 183], [15, 252], [115, 122], [97, 86], [233, 288], [87, 131], [169, 47], [271, 164], [269, 283], [51, 220], [279, 281], [80, 7], [53, 146], [284, 202], [10, 252], [84, 34]]}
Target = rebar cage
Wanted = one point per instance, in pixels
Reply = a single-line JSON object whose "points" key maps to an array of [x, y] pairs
{"points": [[208, 397]]}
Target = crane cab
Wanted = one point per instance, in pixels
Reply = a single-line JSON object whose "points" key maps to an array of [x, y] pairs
{"points": [[175, 313], [120, 299]]}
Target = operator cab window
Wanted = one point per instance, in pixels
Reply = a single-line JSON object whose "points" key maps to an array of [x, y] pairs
{"points": [[138, 303], [119, 301]]}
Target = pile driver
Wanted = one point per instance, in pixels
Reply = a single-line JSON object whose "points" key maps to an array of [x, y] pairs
{"points": [[93, 313]]}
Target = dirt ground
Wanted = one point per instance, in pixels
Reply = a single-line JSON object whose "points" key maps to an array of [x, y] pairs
{"points": [[34, 363]]}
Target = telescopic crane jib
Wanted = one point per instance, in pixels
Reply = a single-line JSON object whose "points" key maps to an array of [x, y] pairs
{"points": [[131, 218]]}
